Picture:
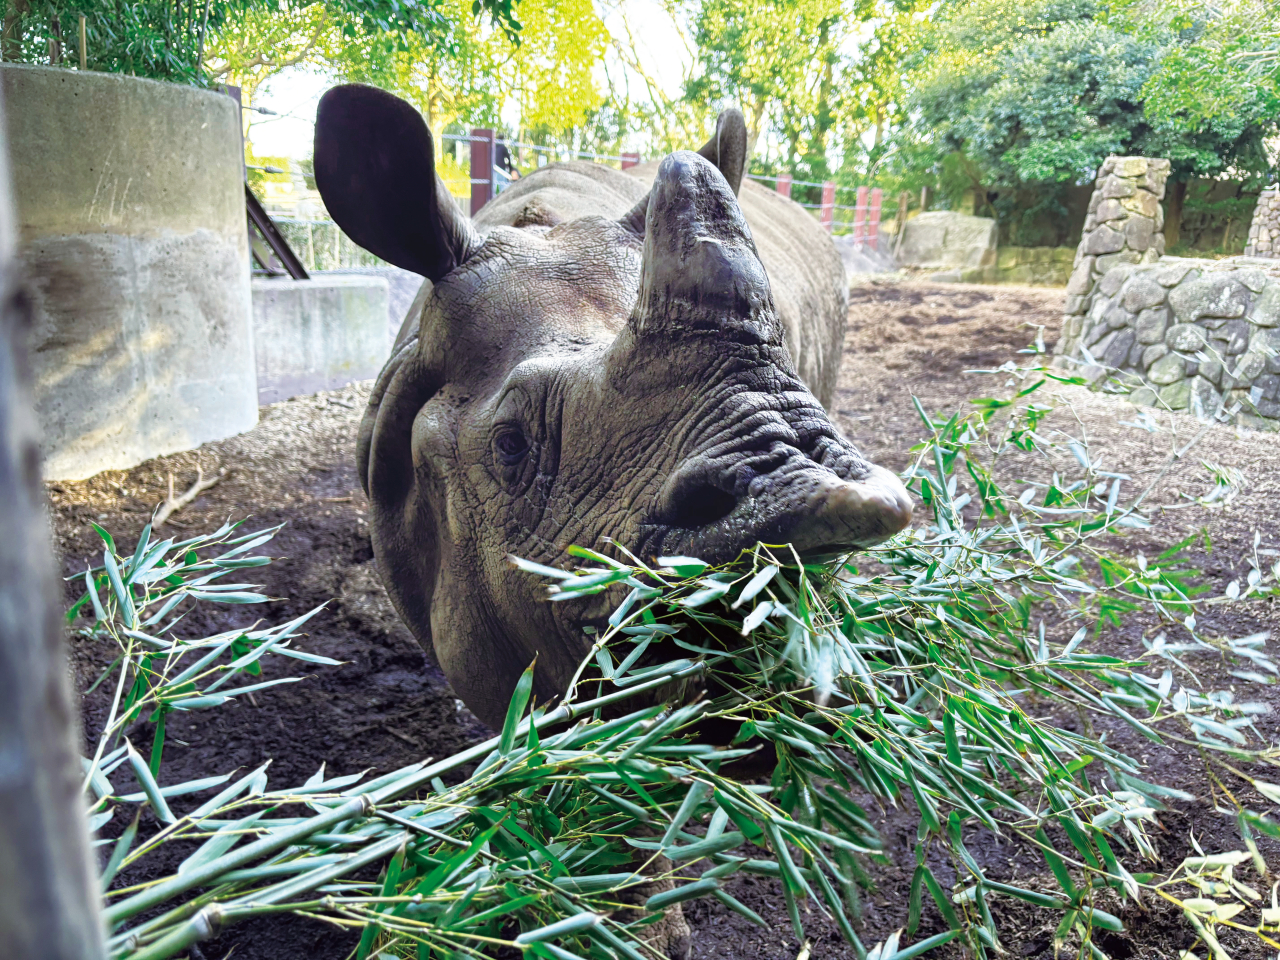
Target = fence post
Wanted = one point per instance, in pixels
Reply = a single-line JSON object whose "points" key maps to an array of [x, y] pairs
{"points": [[873, 218], [481, 168], [630, 160], [826, 213], [860, 217], [784, 185]]}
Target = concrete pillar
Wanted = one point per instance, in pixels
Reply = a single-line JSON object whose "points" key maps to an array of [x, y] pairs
{"points": [[132, 234], [1264, 230], [481, 168], [1124, 225]]}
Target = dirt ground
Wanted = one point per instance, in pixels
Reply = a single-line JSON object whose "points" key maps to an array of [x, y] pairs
{"points": [[388, 704]]}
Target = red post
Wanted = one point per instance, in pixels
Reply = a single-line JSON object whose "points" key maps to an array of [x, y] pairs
{"points": [[630, 160], [826, 213], [481, 168], [784, 185], [860, 217], [873, 220]]}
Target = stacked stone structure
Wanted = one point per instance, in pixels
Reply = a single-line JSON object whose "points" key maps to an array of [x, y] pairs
{"points": [[1264, 231], [1124, 225], [1183, 333]]}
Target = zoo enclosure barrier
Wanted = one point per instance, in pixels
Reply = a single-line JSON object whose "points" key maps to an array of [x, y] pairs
{"points": [[488, 179]]}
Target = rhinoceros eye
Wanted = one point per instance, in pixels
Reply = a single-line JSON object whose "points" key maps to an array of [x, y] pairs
{"points": [[511, 445]]}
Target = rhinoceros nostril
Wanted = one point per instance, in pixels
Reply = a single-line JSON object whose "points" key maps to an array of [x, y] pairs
{"points": [[700, 506]]}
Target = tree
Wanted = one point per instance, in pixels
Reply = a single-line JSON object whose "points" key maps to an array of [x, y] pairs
{"points": [[165, 39], [1018, 93], [777, 59]]}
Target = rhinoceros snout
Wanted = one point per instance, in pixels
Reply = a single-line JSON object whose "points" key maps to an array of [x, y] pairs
{"points": [[793, 499]]}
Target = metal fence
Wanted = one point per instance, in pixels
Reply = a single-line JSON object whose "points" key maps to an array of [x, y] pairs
{"points": [[321, 245]]}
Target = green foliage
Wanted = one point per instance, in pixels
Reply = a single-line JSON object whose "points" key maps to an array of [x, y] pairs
{"points": [[166, 40], [927, 672]]}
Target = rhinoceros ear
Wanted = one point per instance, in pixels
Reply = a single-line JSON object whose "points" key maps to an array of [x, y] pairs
{"points": [[375, 168], [727, 151]]}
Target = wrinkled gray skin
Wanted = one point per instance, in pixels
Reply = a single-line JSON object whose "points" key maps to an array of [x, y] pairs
{"points": [[590, 361]]}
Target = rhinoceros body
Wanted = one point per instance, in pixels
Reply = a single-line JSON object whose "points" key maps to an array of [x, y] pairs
{"points": [[595, 357]]}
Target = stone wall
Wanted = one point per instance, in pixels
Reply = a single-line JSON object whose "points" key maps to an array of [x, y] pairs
{"points": [[1191, 333], [132, 236], [1124, 226], [1264, 231]]}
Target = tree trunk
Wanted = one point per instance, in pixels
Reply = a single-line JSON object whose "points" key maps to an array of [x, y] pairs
{"points": [[48, 891], [1173, 199]]}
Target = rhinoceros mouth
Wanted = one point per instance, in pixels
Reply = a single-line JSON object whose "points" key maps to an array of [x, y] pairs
{"points": [[803, 503]]}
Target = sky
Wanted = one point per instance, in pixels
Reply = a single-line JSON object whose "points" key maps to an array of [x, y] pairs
{"points": [[295, 92]]}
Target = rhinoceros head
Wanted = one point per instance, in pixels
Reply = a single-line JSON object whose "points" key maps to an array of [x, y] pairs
{"points": [[603, 378]]}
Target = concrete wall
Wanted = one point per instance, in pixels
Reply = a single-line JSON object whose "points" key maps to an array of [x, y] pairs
{"points": [[132, 234], [318, 334]]}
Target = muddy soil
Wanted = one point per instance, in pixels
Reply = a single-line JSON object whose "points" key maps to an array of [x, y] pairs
{"points": [[388, 705]]}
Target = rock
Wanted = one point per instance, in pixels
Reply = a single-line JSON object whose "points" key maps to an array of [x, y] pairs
{"points": [[1100, 348], [1248, 369], [1266, 309], [1208, 296], [1074, 304], [1138, 231], [1108, 263], [1008, 257], [1185, 336], [1142, 292], [1252, 278], [1131, 166], [1110, 209], [1212, 371], [1064, 254], [1176, 396], [1144, 397], [1143, 203], [1118, 188], [1268, 386], [1118, 317], [1150, 324], [1173, 272], [1134, 360], [1117, 352], [1203, 398], [1096, 333], [1101, 240], [1114, 279], [1166, 370], [948, 239], [1153, 353], [1237, 332]]}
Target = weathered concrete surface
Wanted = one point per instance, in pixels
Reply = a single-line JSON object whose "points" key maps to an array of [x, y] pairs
{"points": [[132, 235], [402, 287], [943, 238], [319, 334]]}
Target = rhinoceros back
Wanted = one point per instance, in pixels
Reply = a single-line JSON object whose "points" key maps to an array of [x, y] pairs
{"points": [[805, 271]]}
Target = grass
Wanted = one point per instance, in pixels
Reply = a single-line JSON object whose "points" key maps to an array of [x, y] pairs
{"points": [[919, 673]]}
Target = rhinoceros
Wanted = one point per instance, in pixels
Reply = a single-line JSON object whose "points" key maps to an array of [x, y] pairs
{"points": [[593, 357]]}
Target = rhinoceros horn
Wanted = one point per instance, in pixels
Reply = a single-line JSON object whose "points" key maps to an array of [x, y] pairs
{"points": [[375, 168], [726, 151], [701, 271]]}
